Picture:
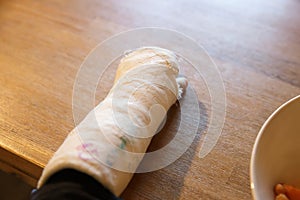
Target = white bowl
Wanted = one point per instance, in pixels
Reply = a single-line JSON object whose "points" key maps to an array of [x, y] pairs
{"points": [[276, 152]]}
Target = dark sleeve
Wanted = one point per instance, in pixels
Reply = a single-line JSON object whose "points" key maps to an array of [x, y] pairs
{"points": [[69, 184]]}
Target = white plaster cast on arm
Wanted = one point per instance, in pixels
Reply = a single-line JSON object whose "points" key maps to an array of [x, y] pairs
{"points": [[109, 143]]}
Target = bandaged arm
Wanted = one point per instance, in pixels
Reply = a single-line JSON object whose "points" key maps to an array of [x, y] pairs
{"points": [[111, 141]]}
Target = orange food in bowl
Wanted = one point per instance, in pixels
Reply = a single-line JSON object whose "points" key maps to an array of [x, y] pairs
{"points": [[286, 192]]}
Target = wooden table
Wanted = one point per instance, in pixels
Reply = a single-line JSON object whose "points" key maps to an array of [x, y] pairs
{"points": [[255, 44]]}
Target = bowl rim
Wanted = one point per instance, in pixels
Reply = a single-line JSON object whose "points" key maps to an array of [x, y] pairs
{"points": [[258, 137]]}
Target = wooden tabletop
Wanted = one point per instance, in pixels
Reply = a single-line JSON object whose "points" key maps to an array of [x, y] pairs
{"points": [[255, 44]]}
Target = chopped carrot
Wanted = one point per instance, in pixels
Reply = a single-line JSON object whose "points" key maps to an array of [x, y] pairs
{"points": [[284, 190], [291, 192], [279, 189], [281, 197]]}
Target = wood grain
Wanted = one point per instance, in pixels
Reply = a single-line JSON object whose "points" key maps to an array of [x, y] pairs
{"points": [[255, 44]]}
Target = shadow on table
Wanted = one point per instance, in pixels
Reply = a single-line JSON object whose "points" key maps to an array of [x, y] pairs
{"points": [[167, 183]]}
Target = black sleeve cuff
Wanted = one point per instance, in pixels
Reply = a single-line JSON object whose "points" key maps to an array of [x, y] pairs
{"points": [[69, 184]]}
